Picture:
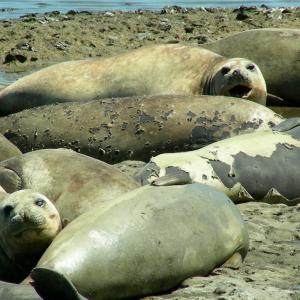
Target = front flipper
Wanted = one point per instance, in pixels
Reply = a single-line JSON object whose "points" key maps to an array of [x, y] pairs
{"points": [[174, 176], [51, 285]]}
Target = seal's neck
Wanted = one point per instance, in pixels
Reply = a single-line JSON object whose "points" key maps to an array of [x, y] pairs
{"points": [[208, 80]]}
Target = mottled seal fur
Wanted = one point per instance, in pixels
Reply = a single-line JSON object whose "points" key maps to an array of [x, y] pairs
{"points": [[147, 242], [258, 166], [73, 181], [155, 70], [136, 127], [29, 222], [275, 50]]}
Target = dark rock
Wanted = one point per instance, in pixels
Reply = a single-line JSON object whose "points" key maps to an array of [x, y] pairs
{"points": [[14, 57], [188, 29], [242, 16]]}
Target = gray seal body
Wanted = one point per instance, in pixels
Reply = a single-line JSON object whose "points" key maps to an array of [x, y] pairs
{"points": [[147, 242]]}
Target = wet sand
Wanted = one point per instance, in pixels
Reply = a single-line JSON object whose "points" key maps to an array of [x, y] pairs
{"points": [[272, 267]]}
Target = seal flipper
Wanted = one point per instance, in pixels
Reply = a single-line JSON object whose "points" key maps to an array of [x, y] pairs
{"points": [[51, 285], [174, 176]]}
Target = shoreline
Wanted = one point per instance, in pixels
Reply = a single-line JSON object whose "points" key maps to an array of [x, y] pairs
{"points": [[38, 40]]}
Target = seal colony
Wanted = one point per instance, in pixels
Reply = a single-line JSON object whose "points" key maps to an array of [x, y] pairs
{"points": [[155, 70], [136, 127], [123, 240]]}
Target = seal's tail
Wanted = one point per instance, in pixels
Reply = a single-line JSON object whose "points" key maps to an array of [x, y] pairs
{"points": [[51, 285]]}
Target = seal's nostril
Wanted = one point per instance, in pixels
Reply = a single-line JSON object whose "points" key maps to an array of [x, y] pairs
{"points": [[235, 72], [225, 70], [7, 210], [251, 67]]}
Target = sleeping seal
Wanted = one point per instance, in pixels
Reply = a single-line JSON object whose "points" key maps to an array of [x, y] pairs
{"points": [[29, 222], [258, 166], [73, 181], [147, 242], [136, 127], [155, 70], [275, 50]]}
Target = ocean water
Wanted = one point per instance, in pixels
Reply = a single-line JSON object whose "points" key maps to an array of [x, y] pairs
{"points": [[15, 9]]}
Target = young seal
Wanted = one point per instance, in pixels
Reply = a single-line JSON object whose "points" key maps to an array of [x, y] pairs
{"points": [[275, 50], [148, 242], [155, 70], [136, 127], [29, 222], [74, 182], [258, 166]]}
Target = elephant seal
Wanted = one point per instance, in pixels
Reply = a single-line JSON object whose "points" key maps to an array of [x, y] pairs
{"points": [[258, 166], [7, 149], [275, 50], [154, 70], [29, 222], [72, 181], [147, 242], [136, 127]]}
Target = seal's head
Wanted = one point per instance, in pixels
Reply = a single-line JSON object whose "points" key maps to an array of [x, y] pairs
{"points": [[28, 224], [237, 77]]}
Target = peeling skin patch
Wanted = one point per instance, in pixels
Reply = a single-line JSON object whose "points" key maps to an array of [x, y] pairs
{"points": [[259, 174]]}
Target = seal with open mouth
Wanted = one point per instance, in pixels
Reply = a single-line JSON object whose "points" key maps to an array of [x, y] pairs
{"points": [[155, 70], [28, 224]]}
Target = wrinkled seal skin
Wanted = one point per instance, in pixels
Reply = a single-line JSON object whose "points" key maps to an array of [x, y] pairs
{"points": [[105, 253], [7, 149], [275, 50], [29, 222], [259, 166], [73, 181], [156, 70], [10, 291], [136, 127]]}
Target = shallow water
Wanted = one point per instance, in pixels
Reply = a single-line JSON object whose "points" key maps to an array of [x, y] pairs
{"points": [[14, 9]]}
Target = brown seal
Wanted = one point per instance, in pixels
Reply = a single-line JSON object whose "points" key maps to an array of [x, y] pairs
{"points": [[160, 69]]}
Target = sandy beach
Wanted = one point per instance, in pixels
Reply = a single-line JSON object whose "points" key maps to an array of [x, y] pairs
{"points": [[272, 268]]}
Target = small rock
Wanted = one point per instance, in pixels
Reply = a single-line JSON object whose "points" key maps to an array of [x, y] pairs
{"points": [[109, 14], [143, 36], [188, 29], [219, 291], [71, 12], [242, 16], [61, 46]]}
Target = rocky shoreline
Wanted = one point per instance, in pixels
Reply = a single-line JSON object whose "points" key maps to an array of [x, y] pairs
{"points": [[34, 40]]}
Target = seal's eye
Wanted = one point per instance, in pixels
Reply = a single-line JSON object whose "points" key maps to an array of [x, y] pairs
{"points": [[40, 202], [225, 70], [250, 67]]}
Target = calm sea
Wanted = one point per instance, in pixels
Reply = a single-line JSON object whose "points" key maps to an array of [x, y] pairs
{"points": [[14, 9]]}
